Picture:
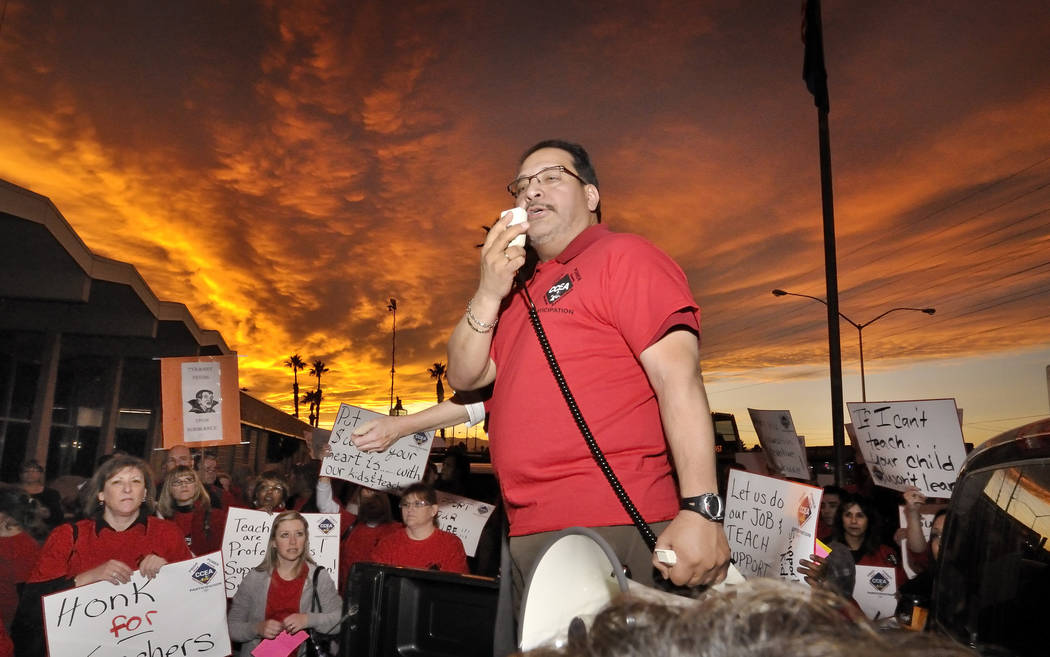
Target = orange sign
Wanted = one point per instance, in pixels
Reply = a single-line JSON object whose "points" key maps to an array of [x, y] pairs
{"points": [[200, 401]]}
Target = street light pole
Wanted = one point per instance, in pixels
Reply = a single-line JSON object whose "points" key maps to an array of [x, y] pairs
{"points": [[392, 307], [860, 328]]}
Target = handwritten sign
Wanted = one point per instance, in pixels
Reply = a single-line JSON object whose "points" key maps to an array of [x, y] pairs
{"points": [[401, 465], [770, 524], [463, 517], [781, 444], [201, 401], [247, 533], [910, 443], [182, 611], [875, 590]]}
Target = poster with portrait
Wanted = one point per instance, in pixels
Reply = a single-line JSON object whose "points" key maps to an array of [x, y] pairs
{"points": [[200, 401], [180, 611]]}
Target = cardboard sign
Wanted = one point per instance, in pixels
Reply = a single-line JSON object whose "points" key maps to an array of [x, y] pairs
{"points": [[875, 590], [910, 443], [770, 524], [200, 401], [247, 533], [784, 452], [181, 611], [463, 517], [400, 466]]}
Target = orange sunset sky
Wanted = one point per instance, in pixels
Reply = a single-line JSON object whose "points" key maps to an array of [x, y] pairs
{"points": [[284, 168]]}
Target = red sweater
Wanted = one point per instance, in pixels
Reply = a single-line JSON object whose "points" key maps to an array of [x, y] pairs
{"points": [[18, 555], [201, 539], [97, 543], [439, 551]]}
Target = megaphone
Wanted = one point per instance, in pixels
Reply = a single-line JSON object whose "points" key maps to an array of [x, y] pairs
{"points": [[576, 575]]}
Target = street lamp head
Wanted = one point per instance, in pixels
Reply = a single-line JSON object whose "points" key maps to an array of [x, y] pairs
{"points": [[779, 293], [929, 311]]}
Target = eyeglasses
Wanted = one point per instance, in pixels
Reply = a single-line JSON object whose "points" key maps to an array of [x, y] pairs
{"points": [[548, 177], [418, 504], [184, 482], [267, 489]]}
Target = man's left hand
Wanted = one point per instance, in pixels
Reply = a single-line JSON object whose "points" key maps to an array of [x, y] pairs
{"points": [[701, 548]]}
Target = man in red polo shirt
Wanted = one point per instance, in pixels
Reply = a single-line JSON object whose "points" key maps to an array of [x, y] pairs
{"points": [[625, 329]]}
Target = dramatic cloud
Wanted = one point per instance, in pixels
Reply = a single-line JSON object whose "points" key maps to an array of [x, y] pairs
{"points": [[285, 168]]}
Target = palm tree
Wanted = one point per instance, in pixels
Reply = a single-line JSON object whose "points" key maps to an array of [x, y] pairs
{"points": [[317, 370], [437, 372], [310, 397], [297, 364]]}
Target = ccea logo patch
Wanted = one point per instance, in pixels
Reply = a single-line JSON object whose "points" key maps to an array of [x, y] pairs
{"points": [[203, 573], [419, 437], [879, 580], [805, 510], [326, 525], [482, 509], [560, 288]]}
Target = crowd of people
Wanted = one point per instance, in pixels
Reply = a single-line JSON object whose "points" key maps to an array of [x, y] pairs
{"points": [[125, 520]]}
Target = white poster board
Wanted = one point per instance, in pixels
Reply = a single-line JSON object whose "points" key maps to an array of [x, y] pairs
{"points": [[248, 531], [784, 452], [463, 517], [875, 590], [393, 470], [910, 443], [181, 611], [770, 524]]}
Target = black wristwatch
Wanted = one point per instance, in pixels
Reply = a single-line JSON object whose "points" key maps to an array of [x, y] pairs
{"points": [[709, 505]]}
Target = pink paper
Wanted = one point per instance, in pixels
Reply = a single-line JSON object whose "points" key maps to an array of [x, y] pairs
{"points": [[280, 646], [820, 549]]}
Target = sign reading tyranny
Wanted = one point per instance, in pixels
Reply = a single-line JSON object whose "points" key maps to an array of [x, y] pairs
{"points": [[910, 443], [182, 611], [400, 466], [248, 531], [770, 524]]}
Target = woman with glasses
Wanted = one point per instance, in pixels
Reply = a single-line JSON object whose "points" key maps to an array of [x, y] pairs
{"points": [[278, 595], [270, 492], [184, 499], [421, 544]]}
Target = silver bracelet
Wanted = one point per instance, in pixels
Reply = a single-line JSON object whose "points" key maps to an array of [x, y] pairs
{"points": [[470, 323], [471, 319]]}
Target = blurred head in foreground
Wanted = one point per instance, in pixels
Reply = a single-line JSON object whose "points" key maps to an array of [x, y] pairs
{"points": [[760, 618]]}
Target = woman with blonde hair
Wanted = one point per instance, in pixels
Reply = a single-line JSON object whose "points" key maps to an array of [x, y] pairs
{"points": [[185, 500], [286, 592]]}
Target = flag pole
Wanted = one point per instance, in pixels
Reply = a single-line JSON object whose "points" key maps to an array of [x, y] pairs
{"points": [[816, 77]]}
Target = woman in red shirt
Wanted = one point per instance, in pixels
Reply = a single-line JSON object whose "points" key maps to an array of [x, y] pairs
{"points": [[18, 549], [272, 598], [119, 536], [184, 500], [421, 544]]}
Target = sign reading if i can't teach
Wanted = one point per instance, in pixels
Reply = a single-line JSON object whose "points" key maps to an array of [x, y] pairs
{"points": [[910, 443]]}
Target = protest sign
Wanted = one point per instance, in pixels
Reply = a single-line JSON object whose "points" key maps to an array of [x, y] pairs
{"points": [[784, 452], [926, 514], [770, 524], [200, 401], [753, 462], [463, 517], [910, 443], [399, 466], [875, 590], [181, 611], [247, 533]]}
